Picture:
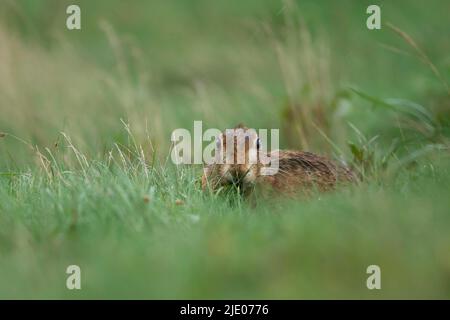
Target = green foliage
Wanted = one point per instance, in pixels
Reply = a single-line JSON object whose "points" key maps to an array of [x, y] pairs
{"points": [[86, 177]]}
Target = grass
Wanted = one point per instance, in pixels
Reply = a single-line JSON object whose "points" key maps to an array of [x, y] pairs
{"points": [[85, 123], [132, 238]]}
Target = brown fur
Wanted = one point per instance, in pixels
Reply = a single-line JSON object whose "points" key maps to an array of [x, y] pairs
{"points": [[299, 172]]}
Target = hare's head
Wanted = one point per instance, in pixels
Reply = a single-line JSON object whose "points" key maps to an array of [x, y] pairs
{"points": [[237, 151]]}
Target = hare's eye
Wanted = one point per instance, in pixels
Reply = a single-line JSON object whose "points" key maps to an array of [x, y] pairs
{"points": [[258, 144]]}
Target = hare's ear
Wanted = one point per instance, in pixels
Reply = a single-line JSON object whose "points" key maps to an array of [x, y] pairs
{"points": [[240, 126]]}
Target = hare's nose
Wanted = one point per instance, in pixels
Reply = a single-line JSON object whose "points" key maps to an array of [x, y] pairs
{"points": [[241, 171]]}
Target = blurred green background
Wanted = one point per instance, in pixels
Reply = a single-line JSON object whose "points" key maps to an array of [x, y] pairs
{"points": [[137, 70], [169, 63]]}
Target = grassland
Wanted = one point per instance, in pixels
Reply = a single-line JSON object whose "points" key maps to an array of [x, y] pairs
{"points": [[85, 123]]}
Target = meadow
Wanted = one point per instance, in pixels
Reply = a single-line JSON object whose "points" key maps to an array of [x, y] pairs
{"points": [[85, 171]]}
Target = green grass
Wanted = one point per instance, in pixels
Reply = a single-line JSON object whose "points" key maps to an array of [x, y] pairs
{"points": [[132, 240], [85, 123]]}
